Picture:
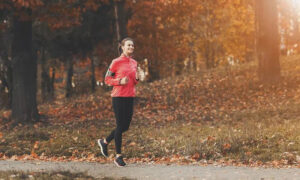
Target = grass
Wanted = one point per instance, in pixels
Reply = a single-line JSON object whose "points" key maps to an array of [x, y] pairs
{"points": [[226, 115], [242, 141], [249, 139]]}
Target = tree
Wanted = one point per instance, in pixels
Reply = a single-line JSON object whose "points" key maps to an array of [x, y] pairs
{"points": [[77, 43], [289, 27], [24, 65], [121, 14], [267, 41], [176, 34], [5, 66], [57, 15]]}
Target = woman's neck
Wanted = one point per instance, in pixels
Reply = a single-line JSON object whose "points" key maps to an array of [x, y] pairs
{"points": [[126, 55]]}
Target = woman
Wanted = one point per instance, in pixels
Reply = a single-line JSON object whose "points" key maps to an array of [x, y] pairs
{"points": [[123, 76]]}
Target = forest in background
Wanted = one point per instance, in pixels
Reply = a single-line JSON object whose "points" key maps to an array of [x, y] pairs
{"points": [[64, 47], [222, 83]]}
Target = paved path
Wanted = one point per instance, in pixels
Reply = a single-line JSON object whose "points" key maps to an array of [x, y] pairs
{"points": [[151, 171]]}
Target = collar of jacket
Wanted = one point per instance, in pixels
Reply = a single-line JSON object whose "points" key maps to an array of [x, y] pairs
{"points": [[126, 57]]}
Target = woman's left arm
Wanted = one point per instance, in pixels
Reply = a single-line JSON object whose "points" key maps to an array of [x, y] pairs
{"points": [[137, 75]]}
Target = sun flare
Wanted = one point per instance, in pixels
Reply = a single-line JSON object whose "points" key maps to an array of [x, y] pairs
{"points": [[296, 4]]}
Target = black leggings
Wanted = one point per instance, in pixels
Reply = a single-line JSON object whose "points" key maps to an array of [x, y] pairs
{"points": [[123, 109]]}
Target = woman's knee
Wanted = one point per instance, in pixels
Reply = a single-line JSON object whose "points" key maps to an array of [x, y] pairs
{"points": [[125, 129], [118, 130]]}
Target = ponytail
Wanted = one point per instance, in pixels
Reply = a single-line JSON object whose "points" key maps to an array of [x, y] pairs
{"points": [[120, 50]]}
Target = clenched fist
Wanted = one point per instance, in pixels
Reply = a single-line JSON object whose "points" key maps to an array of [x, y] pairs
{"points": [[124, 81]]}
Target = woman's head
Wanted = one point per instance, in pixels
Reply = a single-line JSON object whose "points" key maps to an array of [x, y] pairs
{"points": [[126, 46]]}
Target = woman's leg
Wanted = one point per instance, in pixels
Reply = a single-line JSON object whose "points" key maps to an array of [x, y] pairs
{"points": [[128, 116], [110, 137], [125, 111], [116, 108], [119, 106]]}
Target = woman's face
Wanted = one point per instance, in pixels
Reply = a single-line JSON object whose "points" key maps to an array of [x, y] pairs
{"points": [[128, 47]]}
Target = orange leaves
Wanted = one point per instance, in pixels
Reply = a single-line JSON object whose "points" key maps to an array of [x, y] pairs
{"points": [[226, 146], [248, 153], [62, 15], [91, 157], [210, 138], [21, 3], [28, 3], [33, 154], [147, 154], [91, 4], [36, 145], [1, 135], [175, 27], [80, 109], [196, 156], [93, 144], [132, 144], [6, 114], [71, 1]]}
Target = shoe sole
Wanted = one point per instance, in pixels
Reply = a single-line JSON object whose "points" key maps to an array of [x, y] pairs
{"points": [[118, 164], [101, 148]]}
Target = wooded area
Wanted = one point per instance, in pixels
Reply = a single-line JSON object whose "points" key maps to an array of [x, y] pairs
{"points": [[219, 80], [50, 46]]}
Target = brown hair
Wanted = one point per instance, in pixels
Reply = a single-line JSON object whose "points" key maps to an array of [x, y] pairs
{"points": [[122, 43]]}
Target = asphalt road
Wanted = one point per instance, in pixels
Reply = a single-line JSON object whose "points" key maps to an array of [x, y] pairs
{"points": [[153, 171]]}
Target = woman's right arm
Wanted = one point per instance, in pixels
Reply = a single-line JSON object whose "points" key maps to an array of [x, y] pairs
{"points": [[110, 77]]}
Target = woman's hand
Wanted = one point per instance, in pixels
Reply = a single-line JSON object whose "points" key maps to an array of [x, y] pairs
{"points": [[137, 73], [124, 81]]}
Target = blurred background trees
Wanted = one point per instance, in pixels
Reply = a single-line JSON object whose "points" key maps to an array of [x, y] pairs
{"points": [[54, 49]]}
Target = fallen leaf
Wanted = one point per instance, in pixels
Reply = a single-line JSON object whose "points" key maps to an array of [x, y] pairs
{"points": [[132, 144], [36, 145], [226, 146], [196, 156], [33, 154]]}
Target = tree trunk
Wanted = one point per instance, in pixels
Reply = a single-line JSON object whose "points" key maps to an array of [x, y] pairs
{"points": [[5, 53], [267, 41], [45, 77], [117, 22], [296, 32], [10, 83], [192, 64], [93, 80], [153, 66], [24, 66], [7, 77], [207, 52], [51, 92], [121, 19], [69, 78]]}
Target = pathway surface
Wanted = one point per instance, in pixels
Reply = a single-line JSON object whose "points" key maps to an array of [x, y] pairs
{"points": [[153, 171]]}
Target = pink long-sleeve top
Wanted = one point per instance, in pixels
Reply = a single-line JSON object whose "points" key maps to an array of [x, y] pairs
{"points": [[121, 67]]}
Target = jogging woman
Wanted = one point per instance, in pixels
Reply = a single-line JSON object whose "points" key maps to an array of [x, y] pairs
{"points": [[123, 76]]}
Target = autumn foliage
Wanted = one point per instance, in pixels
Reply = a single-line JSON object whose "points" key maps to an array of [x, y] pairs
{"points": [[203, 103], [192, 34], [222, 116]]}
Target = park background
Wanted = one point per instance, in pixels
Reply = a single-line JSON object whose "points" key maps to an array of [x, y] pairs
{"points": [[220, 80]]}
